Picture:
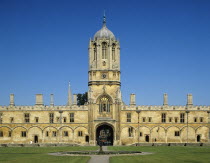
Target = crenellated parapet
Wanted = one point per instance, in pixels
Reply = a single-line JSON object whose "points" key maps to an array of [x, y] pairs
{"points": [[43, 108], [172, 107], [189, 105]]}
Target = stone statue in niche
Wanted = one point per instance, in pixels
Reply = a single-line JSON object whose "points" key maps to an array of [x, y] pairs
{"points": [[118, 94], [104, 63]]}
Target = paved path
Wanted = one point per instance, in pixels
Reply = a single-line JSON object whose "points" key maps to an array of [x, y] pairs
{"points": [[98, 158], [101, 159]]}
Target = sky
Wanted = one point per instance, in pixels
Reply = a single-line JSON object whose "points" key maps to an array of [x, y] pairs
{"points": [[165, 48]]}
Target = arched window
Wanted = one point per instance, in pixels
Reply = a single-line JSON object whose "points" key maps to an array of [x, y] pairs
{"points": [[130, 131], [104, 105], [94, 52], [113, 52], [104, 50]]}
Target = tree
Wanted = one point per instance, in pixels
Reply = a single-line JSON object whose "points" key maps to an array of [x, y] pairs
{"points": [[82, 98]]}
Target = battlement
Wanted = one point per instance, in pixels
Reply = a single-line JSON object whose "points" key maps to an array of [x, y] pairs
{"points": [[43, 107], [189, 105], [172, 107]]}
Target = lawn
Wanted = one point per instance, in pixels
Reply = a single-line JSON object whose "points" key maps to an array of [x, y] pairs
{"points": [[164, 154], [40, 154]]}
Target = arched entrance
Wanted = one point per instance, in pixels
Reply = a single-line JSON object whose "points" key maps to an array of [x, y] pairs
{"points": [[35, 139], [198, 138], [105, 132]]}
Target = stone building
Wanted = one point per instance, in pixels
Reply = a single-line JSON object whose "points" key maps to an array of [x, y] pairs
{"points": [[105, 115]]}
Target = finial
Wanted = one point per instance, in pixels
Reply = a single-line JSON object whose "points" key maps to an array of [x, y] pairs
{"points": [[104, 19]]}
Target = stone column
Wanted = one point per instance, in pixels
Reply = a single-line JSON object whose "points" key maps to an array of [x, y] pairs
{"points": [[132, 99], [61, 121], [12, 99]]}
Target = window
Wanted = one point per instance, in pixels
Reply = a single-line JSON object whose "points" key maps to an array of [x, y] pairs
{"points": [[143, 119], [65, 133], [130, 131], [47, 133], [27, 117], [104, 104], [80, 133], [9, 134], [1, 116], [58, 119], [94, 52], [23, 133], [170, 119], [113, 52], [37, 119], [51, 117], [176, 133], [128, 117], [64, 119], [1, 134], [163, 117], [182, 117], [150, 119], [140, 134], [201, 119], [104, 50], [176, 119], [195, 119], [11, 119], [71, 117], [54, 133]]}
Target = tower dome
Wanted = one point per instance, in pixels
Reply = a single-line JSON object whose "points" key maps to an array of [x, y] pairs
{"points": [[104, 32]]}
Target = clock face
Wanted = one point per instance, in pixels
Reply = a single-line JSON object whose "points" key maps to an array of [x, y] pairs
{"points": [[103, 76]]}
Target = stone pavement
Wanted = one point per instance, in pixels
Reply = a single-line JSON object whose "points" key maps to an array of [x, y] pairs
{"points": [[99, 159]]}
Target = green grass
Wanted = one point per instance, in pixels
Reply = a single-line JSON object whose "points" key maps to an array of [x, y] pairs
{"points": [[40, 154], [161, 154], [164, 154]]}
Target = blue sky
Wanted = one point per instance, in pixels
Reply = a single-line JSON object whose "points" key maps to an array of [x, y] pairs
{"points": [[165, 48]]}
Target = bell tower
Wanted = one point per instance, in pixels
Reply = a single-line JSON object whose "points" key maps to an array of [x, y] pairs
{"points": [[104, 95], [104, 59]]}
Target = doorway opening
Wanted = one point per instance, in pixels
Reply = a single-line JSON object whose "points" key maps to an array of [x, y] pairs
{"points": [[35, 139], [198, 138], [147, 138], [87, 139], [104, 135]]}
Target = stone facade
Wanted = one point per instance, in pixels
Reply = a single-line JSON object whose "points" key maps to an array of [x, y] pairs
{"points": [[105, 115]]}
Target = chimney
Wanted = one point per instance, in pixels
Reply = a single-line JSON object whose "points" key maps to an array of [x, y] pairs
{"points": [[189, 100], [12, 100], [51, 100], [75, 99], [132, 99], [39, 99], [165, 99]]}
